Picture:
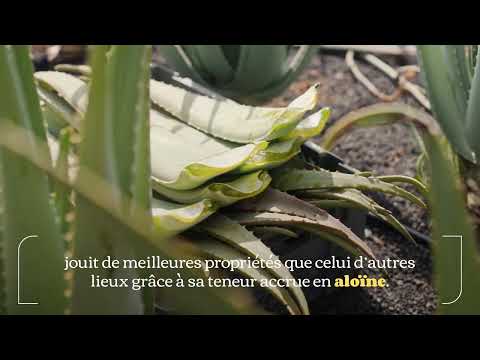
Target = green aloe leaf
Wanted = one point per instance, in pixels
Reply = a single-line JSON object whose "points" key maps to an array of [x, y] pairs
{"points": [[297, 180], [69, 88], [279, 152], [275, 208], [457, 72], [311, 126], [63, 193], [267, 230], [214, 63], [170, 219], [213, 248], [97, 192], [457, 280], [235, 235], [26, 191], [443, 94], [221, 193], [187, 167], [359, 200], [112, 135], [301, 59], [401, 179], [473, 111], [274, 155], [180, 61], [3, 309], [228, 120], [259, 66], [471, 52]]}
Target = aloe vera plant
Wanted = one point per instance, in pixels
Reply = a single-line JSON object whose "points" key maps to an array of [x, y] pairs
{"points": [[212, 181], [243, 72], [452, 76]]}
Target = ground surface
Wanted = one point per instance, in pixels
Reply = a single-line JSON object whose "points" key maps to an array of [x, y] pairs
{"points": [[383, 150]]}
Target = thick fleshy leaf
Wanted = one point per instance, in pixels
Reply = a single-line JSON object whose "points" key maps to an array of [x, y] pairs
{"points": [[229, 120], [401, 179], [235, 235], [70, 88], [296, 180], [186, 167], [296, 65], [275, 208], [193, 157], [274, 155], [62, 193], [458, 73], [311, 126], [117, 106], [28, 210], [250, 73], [473, 111], [97, 192], [279, 152], [444, 94], [455, 246], [359, 200], [3, 282], [214, 64], [221, 193], [170, 219], [180, 61], [258, 67], [216, 249], [274, 230]]}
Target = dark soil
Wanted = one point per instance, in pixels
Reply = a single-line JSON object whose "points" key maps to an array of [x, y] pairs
{"points": [[384, 150]]}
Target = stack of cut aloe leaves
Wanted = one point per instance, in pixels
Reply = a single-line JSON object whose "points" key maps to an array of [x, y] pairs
{"points": [[224, 173]]}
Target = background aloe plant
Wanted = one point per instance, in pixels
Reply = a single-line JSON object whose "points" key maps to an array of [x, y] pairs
{"points": [[452, 76], [136, 134], [244, 72]]}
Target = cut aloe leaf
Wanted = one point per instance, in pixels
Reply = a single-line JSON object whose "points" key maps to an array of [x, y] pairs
{"points": [[221, 193], [73, 90], [295, 180], [274, 155], [228, 120], [235, 235], [184, 158], [274, 230], [357, 199], [311, 126], [279, 152], [185, 167], [275, 208], [216, 249], [170, 219]]}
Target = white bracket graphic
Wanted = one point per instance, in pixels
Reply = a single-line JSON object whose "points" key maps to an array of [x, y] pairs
{"points": [[18, 272], [461, 267]]}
